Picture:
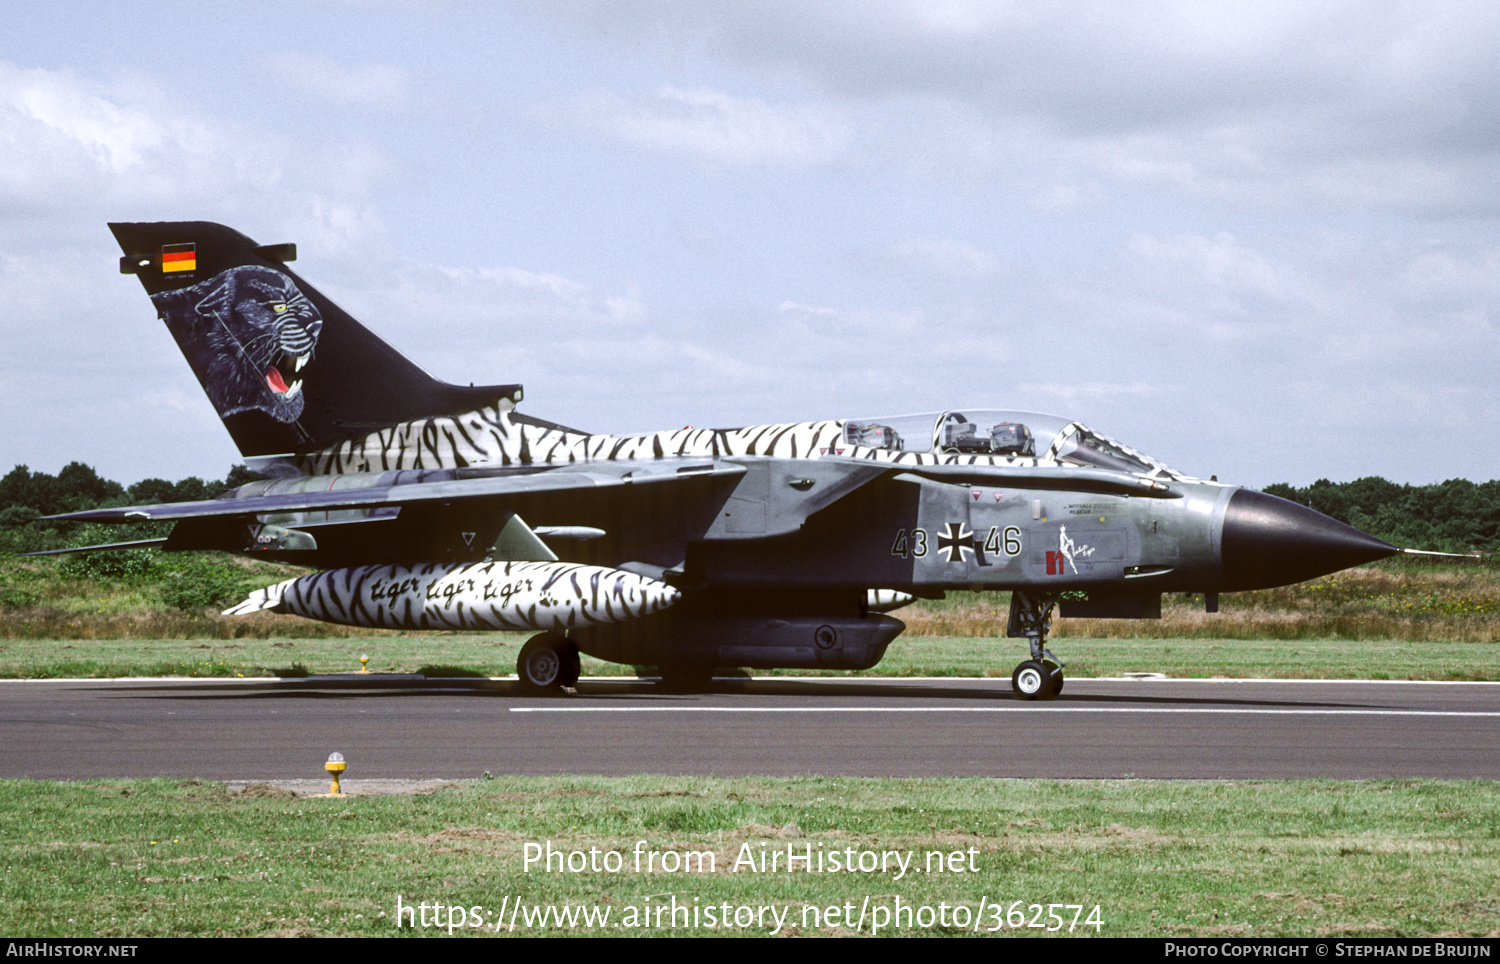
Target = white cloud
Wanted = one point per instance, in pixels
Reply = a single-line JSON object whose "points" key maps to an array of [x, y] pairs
{"points": [[54, 103], [793, 307], [1095, 392], [62, 139], [487, 324], [74, 149], [1065, 195], [1451, 274], [1335, 103], [715, 126], [957, 259], [866, 324], [517, 292], [371, 86], [1220, 261]]}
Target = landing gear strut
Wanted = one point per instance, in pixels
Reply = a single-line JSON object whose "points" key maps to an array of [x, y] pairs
{"points": [[1041, 676]]}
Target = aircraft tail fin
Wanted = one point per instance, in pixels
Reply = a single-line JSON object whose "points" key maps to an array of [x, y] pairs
{"points": [[287, 370]]}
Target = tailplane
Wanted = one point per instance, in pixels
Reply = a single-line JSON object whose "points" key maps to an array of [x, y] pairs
{"points": [[287, 370]]}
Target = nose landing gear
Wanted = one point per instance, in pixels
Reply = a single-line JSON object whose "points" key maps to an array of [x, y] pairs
{"points": [[1041, 676]]}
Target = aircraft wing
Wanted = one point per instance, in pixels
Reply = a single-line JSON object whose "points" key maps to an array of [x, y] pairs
{"points": [[105, 547], [437, 502], [595, 475], [491, 485]]}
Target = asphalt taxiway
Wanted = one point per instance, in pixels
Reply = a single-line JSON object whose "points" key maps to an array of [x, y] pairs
{"points": [[395, 728]]}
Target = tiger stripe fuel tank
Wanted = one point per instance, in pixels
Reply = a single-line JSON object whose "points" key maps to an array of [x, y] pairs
{"points": [[473, 596]]}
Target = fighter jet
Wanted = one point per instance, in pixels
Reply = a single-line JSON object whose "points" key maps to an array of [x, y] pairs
{"points": [[426, 505]]}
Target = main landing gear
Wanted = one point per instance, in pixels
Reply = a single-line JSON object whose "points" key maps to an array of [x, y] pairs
{"points": [[548, 662], [1041, 676]]}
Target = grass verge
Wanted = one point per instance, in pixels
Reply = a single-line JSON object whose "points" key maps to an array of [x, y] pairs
{"points": [[495, 655], [176, 858]]}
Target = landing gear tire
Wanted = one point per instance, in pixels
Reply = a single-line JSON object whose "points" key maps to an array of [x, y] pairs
{"points": [[547, 662], [1032, 680], [1056, 675]]}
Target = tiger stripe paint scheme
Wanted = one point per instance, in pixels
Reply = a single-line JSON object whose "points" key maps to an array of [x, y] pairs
{"points": [[490, 436], [554, 596]]}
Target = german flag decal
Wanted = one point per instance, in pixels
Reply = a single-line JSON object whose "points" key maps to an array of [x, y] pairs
{"points": [[179, 257]]}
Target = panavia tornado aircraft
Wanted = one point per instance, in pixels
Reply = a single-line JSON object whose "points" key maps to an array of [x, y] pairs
{"points": [[433, 506]]}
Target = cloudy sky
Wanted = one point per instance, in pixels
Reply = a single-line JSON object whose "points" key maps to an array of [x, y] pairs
{"points": [[1259, 240]]}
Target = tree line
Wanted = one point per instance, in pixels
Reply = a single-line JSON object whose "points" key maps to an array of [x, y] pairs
{"points": [[27, 496], [1452, 516]]}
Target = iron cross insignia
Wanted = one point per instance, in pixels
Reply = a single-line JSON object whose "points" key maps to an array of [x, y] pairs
{"points": [[956, 541]]}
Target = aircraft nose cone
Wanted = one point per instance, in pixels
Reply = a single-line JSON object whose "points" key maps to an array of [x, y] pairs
{"points": [[1268, 541]]}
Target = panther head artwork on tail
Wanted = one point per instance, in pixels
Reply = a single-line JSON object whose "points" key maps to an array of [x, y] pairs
{"points": [[250, 332], [288, 371]]}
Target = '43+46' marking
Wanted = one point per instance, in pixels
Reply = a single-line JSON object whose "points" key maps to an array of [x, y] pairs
{"points": [[914, 546]]}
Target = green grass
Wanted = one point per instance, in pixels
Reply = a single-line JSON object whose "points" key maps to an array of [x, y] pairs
{"points": [[495, 655], [33, 658], [159, 858], [1242, 658]]}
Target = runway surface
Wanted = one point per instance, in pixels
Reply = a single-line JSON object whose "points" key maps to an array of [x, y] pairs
{"points": [[402, 728]]}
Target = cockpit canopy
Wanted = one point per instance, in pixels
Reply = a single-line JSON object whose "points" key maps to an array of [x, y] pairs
{"points": [[1026, 437]]}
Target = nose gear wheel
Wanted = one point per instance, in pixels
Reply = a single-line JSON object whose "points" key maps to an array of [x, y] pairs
{"points": [[1041, 676]]}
